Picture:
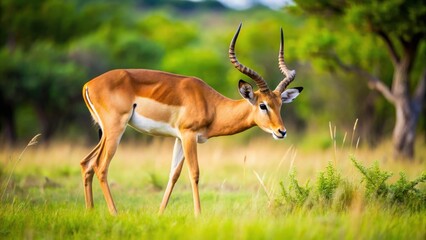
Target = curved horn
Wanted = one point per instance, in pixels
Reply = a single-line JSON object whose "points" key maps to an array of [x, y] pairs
{"points": [[260, 82], [289, 74]]}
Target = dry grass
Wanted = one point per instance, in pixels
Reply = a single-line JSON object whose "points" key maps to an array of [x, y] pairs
{"points": [[223, 165], [46, 184]]}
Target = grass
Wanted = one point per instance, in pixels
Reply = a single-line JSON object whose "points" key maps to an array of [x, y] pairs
{"points": [[67, 219], [240, 193]]}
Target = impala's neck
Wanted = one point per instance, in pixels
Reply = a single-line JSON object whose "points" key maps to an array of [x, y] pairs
{"points": [[232, 116]]}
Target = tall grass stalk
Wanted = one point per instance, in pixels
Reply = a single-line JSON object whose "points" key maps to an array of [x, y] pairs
{"points": [[292, 162], [32, 142], [284, 157], [353, 134], [268, 194], [333, 140], [344, 141], [357, 143], [244, 167]]}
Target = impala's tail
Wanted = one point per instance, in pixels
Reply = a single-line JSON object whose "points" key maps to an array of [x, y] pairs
{"points": [[92, 109]]}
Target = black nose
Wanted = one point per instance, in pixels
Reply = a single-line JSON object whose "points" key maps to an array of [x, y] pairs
{"points": [[282, 132]]}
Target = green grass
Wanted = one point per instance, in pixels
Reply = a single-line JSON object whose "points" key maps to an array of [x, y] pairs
{"points": [[234, 203], [138, 220]]}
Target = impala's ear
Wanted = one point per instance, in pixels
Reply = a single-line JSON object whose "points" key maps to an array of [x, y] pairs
{"points": [[290, 94], [246, 91]]}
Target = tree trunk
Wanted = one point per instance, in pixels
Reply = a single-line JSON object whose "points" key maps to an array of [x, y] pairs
{"points": [[407, 113], [9, 122], [404, 133]]}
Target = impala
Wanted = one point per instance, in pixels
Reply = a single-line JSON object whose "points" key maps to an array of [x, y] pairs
{"points": [[166, 104]]}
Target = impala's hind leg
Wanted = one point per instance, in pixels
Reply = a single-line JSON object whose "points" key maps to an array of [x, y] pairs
{"points": [[87, 173], [109, 143], [175, 171]]}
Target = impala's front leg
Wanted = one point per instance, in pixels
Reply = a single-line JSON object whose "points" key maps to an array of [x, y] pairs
{"points": [[175, 171], [190, 152]]}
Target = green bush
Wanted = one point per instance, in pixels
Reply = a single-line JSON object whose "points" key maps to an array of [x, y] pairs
{"points": [[401, 193], [405, 192], [374, 178], [334, 191], [327, 182], [294, 194]]}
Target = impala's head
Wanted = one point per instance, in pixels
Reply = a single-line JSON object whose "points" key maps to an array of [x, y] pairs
{"points": [[266, 103]]}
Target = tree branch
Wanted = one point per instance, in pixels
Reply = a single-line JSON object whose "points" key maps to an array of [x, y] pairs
{"points": [[391, 48], [373, 81]]}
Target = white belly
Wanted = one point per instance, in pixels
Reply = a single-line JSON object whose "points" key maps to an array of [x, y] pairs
{"points": [[149, 126]]}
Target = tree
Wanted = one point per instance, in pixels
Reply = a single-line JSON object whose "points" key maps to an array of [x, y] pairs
{"points": [[401, 26], [10, 91], [36, 69]]}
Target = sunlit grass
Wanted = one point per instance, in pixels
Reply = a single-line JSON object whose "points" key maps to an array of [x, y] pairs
{"points": [[238, 187]]}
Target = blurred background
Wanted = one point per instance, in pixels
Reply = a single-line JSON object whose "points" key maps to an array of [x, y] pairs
{"points": [[349, 57]]}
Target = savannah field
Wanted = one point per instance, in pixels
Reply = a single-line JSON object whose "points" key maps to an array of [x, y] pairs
{"points": [[356, 59], [241, 190]]}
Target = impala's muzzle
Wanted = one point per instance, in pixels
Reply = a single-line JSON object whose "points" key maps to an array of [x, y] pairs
{"points": [[280, 135]]}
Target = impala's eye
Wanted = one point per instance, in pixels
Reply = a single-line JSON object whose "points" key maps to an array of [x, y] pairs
{"points": [[263, 106]]}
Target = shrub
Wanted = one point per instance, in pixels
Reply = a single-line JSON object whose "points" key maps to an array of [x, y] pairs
{"points": [[374, 178], [402, 192], [294, 195], [327, 182], [334, 191]]}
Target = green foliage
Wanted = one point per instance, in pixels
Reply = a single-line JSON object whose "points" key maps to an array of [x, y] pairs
{"points": [[338, 193], [404, 19], [403, 192], [118, 48], [44, 78], [331, 192], [374, 178], [327, 182], [24, 22], [11, 75], [49, 48], [204, 63], [350, 36], [169, 32], [294, 194], [36, 70], [382, 16]]}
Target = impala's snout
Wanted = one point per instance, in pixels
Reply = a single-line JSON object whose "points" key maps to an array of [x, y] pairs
{"points": [[283, 132], [280, 134]]}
